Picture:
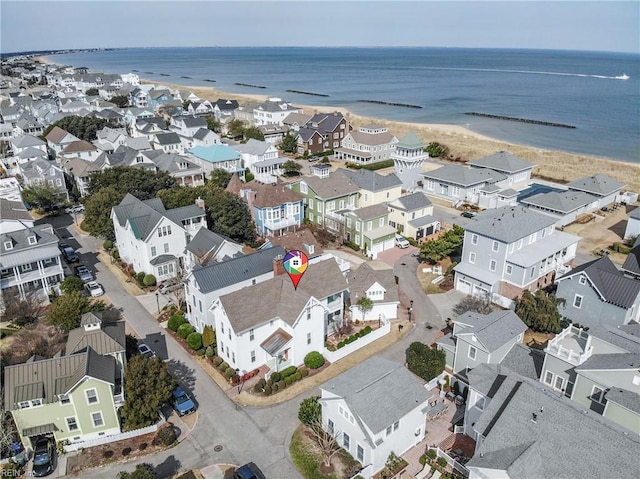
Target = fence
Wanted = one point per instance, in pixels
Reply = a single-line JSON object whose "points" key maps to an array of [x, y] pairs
{"points": [[451, 461], [334, 356], [114, 437]]}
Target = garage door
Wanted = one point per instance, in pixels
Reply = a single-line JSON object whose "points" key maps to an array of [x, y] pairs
{"points": [[377, 248], [479, 292], [463, 286]]}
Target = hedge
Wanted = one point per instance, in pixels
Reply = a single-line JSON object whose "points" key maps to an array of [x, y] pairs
{"points": [[352, 245], [378, 165], [313, 360], [175, 322], [217, 361], [185, 330], [354, 337], [194, 340], [286, 372]]}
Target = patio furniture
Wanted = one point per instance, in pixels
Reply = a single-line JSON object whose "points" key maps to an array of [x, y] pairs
{"points": [[437, 410]]}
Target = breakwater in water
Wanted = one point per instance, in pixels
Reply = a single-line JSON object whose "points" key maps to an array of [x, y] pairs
{"points": [[522, 120], [250, 85], [390, 103], [308, 93]]}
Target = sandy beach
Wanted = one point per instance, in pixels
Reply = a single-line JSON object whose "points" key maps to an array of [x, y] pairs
{"points": [[463, 144]]}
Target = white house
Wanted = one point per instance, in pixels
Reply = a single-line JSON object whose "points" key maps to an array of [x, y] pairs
{"points": [[633, 224], [274, 110], [515, 169], [153, 239], [373, 409], [370, 144], [273, 324], [379, 286], [605, 188]]}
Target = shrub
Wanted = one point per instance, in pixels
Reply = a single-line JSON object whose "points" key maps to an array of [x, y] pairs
{"points": [[149, 280], [194, 340], [209, 352], [165, 436], [310, 411], [208, 336], [352, 245], [143, 446], [274, 388], [442, 462], [230, 372], [107, 454], [217, 361], [281, 385], [286, 372], [260, 385], [267, 390], [223, 366], [126, 451], [297, 376], [140, 277], [304, 373], [288, 380], [175, 322], [431, 454], [313, 360], [423, 459], [201, 352], [108, 244], [275, 377], [115, 253], [367, 329], [185, 330]]}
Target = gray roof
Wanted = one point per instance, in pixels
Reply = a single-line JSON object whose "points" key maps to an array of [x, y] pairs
{"points": [[509, 223], [137, 143], [524, 360], [503, 161], [168, 138], [509, 192], [379, 392], [611, 284], [618, 361], [252, 147], [372, 139], [632, 262], [14, 210], [172, 163], [635, 213], [206, 241], [423, 221], [560, 201], [332, 187], [410, 141], [599, 185], [325, 122], [626, 337], [44, 237], [276, 106], [625, 398], [277, 298], [49, 378], [110, 338], [565, 441], [370, 180], [362, 278], [370, 212], [493, 330], [216, 276], [27, 140], [463, 176]]}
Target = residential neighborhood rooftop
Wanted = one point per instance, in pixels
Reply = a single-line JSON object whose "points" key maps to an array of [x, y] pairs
{"points": [[599, 185], [503, 161], [509, 223]]}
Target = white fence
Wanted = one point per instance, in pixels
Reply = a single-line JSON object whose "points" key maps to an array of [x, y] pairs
{"points": [[334, 356], [451, 461], [113, 438]]}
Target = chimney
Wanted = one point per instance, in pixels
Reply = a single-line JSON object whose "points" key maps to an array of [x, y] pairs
{"points": [[278, 266], [200, 202]]}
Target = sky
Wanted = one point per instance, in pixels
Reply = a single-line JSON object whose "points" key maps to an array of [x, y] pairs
{"points": [[561, 25]]}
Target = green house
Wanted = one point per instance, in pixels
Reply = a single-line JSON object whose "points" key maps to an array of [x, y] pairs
{"points": [[369, 228]]}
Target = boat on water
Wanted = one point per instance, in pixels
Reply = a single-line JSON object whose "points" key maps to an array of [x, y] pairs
{"points": [[624, 76]]}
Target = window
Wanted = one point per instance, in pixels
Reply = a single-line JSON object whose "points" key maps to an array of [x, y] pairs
{"points": [[359, 453], [92, 396], [396, 425], [64, 399], [509, 269], [381, 222], [233, 357], [559, 382], [32, 240], [577, 301], [166, 247], [582, 280], [492, 265], [8, 245], [472, 258], [357, 226], [348, 222], [26, 267], [472, 352], [96, 417], [548, 378], [24, 404], [154, 251], [389, 430], [346, 440], [480, 403], [532, 272], [253, 356], [221, 324], [72, 424], [303, 188], [520, 244], [251, 334], [636, 380], [474, 239], [330, 426], [495, 246], [310, 202], [308, 338], [308, 313], [200, 305], [597, 394], [36, 402]]}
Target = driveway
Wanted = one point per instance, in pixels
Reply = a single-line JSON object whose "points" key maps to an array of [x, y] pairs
{"points": [[391, 256]]}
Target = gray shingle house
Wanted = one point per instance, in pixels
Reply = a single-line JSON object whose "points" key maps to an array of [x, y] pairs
{"points": [[515, 169], [481, 338], [598, 293], [633, 224], [564, 206], [601, 186]]}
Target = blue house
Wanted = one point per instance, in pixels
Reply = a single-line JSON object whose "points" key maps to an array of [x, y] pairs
{"points": [[275, 208], [157, 98], [214, 157]]}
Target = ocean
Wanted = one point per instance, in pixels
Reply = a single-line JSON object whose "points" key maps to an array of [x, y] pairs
{"points": [[581, 89]]}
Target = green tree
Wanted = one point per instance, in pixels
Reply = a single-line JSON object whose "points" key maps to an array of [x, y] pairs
{"points": [[142, 471], [208, 336], [181, 196], [66, 310], [147, 386], [236, 127], [365, 305], [91, 92], [230, 216], [84, 127], [310, 412], [219, 177], [97, 215], [539, 311], [185, 105], [448, 244], [288, 143], [43, 196], [424, 361], [213, 124], [436, 149], [291, 167], [253, 132], [71, 283], [121, 101]]}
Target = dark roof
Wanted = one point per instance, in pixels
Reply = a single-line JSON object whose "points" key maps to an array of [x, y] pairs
{"points": [[611, 361], [379, 392], [493, 330], [509, 223], [110, 338], [625, 398], [325, 122], [299, 240], [268, 196], [216, 276], [162, 259], [206, 243], [168, 138], [610, 283], [14, 210], [503, 161], [223, 104], [524, 360], [413, 201], [632, 262], [599, 185], [370, 180], [560, 201], [307, 133], [78, 146]]}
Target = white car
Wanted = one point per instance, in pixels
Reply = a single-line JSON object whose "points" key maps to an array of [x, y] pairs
{"points": [[94, 289], [401, 242], [145, 350]]}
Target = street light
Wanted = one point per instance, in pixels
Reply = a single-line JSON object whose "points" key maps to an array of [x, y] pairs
{"points": [[158, 301], [409, 312], [411, 303], [379, 319]]}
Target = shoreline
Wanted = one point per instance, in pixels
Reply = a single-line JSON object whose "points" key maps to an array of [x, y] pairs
{"points": [[463, 144]]}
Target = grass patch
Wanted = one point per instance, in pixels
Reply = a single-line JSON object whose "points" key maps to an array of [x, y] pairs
{"points": [[307, 463]]}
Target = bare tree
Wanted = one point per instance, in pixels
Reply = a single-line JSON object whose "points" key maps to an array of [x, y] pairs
{"points": [[7, 427], [474, 304], [21, 311], [342, 326], [327, 440]]}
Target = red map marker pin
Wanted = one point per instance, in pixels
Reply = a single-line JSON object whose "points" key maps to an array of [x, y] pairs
{"points": [[295, 264]]}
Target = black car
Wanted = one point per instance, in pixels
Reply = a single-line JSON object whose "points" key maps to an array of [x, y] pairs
{"points": [[43, 456], [468, 214], [248, 471]]}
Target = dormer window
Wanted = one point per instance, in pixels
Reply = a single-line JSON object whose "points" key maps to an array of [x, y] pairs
{"points": [[8, 245], [32, 239]]}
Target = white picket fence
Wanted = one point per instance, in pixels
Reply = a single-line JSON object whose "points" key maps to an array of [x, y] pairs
{"points": [[334, 356], [451, 461], [113, 438]]}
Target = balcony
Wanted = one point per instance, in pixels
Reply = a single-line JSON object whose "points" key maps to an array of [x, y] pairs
{"points": [[572, 345], [280, 223]]}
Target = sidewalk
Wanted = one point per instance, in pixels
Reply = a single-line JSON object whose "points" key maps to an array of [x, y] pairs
{"points": [[444, 302]]}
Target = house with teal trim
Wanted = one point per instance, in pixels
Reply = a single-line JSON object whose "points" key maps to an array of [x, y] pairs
{"points": [[157, 98], [217, 157], [275, 208]]}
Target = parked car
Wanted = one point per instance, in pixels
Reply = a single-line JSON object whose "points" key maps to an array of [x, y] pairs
{"points": [[401, 242], [145, 350], [43, 457], [94, 289], [70, 255], [74, 209], [248, 471], [468, 214], [182, 402], [313, 159], [83, 273]]}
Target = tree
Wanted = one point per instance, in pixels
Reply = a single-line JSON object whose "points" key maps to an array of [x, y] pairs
{"points": [[288, 143], [20, 311], [473, 304], [436, 149], [291, 167], [365, 305], [91, 92], [66, 310], [229, 215], [71, 283], [213, 124], [8, 432], [253, 132], [236, 128], [147, 386], [97, 215], [142, 471], [185, 105], [43, 196], [449, 243], [181, 196], [208, 336], [121, 101], [424, 361], [310, 412], [328, 441], [84, 127], [219, 177], [539, 311]]}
